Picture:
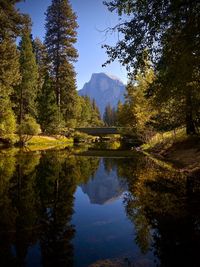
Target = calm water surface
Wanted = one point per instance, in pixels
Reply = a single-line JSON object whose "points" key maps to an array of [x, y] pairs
{"points": [[60, 209]]}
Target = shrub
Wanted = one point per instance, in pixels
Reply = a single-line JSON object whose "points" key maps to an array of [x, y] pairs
{"points": [[28, 128]]}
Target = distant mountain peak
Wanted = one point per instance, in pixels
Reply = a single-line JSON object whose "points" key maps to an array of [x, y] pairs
{"points": [[106, 75], [113, 77], [105, 89]]}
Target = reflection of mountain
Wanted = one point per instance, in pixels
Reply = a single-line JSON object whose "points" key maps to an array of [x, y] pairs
{"points": [[104, 187]]}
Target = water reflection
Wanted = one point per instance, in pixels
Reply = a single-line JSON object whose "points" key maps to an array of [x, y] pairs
{"points": [[36, 201], [164, 207], [147, 215], [106, 187]]}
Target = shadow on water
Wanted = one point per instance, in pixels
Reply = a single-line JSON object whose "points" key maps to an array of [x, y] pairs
{"points": [[63, 210]]}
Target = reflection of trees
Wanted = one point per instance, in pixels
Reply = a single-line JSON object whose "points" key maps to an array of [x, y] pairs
{"points": [[36, 201], [85, 168], [110, 145], [128, 170], [25, 201], [57, 184], [164, 207], [8, 214], [16, 228]]}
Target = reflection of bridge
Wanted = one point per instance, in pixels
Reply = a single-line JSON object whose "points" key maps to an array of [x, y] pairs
{"points": [[99, 131]]}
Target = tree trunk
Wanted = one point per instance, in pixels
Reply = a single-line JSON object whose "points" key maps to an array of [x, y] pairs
{"points": [[21, 106], [190, 125]]}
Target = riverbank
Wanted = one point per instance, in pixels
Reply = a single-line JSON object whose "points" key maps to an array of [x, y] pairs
{"points": [[42, 142], [176, 147], [46, 142]]}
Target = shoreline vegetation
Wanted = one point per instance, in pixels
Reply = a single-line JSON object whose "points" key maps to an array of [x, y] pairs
{"points": [[172, 149], [40, 142], [176, 148]]}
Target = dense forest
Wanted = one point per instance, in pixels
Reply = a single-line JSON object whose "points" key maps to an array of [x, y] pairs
{"points": [[37, 79]]}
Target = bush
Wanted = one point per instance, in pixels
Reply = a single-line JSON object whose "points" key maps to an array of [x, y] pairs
{"points": [[28, 128], [81, 137]]}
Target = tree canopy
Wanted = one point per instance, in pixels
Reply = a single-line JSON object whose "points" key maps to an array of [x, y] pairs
{"points": [[169, 31]]}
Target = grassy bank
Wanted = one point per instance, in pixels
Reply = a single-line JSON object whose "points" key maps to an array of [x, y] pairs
{"points": [[163, 141], [176, 147], [45, 142], [39, 142]]}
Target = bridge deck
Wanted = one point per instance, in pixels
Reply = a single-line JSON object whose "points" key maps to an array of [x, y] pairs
{"points": [[99, 131]]}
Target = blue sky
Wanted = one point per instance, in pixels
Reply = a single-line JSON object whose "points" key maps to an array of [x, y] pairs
{"points": [[93, 18]]}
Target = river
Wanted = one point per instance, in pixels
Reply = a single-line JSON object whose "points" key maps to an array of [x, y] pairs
{"points": [[97, 208]]}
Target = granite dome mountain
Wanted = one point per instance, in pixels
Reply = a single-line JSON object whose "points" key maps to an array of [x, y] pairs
{"points": [[105, 89]]}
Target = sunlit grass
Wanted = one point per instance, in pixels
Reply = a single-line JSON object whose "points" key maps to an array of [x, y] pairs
{"points": [[165, 140], [49, 140]]}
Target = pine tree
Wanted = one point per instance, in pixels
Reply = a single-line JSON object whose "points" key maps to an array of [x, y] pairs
{"points": [[89, 115], [60, 38], [47, 109], [11, 24], [9, 67], [40, 52], [11, 21], [95, 115], [109, 116], [26, 93]]}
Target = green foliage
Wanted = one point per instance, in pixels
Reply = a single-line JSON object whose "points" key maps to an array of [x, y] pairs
{"points": [[11, 21], [81, 137], [11, 25], [28, 128], [9, 66], [40, 52], [88, 114], [125, 116], [95, 115], [68, 94], [163, 141], [60, 37], [26, 93], [109, 116], [137, 112], [7, 121], [170, 32], [48, 113], [9, 77]]}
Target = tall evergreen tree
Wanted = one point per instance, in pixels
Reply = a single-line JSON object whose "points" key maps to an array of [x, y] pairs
{"points": [[109, 116], [47, 109], [40, 52], [89, 114], [11, 21], [26, 93], [11, 24], [96, 110], [60, 38], [95, 115]]}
